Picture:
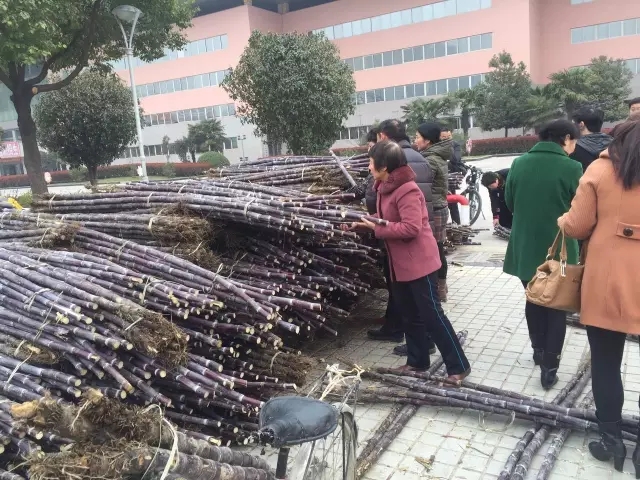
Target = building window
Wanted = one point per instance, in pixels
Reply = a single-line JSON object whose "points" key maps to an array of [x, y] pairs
{"points": [[230, 143], [605, 31], [401, 18], [186, 83], [578, 2], [197, 47], [429, 88], [422, 52]]}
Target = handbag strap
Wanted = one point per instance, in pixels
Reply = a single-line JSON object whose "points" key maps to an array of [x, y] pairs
{"points": [[559, 241]]}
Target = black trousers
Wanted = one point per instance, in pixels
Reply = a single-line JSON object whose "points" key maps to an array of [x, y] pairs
{"points": [[607, 348], [444, 269], [393, 319], [423, 317], [454, 211], [547, 326]]}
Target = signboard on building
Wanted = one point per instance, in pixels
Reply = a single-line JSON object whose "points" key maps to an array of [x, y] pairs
{"points": [[11, 150]]}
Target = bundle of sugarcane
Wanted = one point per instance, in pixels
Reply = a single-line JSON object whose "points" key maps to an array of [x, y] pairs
{"points": [[502, 232], [106, 294], [460, 234], [164, 228], [315, 174], [104, 438]]}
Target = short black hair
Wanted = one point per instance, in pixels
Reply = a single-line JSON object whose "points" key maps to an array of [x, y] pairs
{"points": [[557, 130], [372, 135], [387, 154], [430, 131], [489, 178], [444, 128], [394, 130], [593, 118], [632, 101]]}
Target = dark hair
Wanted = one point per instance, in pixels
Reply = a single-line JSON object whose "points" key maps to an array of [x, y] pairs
{"points": [[394, 130], [444, 128], [632, 101], [489, 178], [372, 135], [624, 152], [593, 118], [557, 130], [430, 131], [387, 154]]}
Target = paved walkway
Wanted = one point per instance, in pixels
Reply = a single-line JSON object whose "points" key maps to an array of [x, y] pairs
{"points": [[490, 306]]}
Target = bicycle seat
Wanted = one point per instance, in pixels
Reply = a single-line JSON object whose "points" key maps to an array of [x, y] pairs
{"points": [[297, 420]]}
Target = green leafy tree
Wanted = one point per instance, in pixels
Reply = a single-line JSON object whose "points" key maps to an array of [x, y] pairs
{"points": [[184, 147], [604, 83], [541, 108], [89, 123], [467, 100], [426, 109], [294, 88], [67, 37], [504, 95], [207, 135]]}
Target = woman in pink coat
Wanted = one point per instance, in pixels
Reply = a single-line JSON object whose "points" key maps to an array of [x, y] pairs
{"points": [[413, 259]]}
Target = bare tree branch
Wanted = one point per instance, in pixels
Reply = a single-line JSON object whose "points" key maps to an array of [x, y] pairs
{"points": [[80, 34]]}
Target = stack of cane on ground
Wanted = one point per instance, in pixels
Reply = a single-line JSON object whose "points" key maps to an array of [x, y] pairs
{"points": [[100, 302]]}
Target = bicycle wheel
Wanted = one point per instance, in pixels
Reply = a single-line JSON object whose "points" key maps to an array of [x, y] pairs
{"points": [[475, 206], [330, 458]]}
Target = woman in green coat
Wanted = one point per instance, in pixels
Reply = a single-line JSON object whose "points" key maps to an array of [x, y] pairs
{"points": [[540, 187]]}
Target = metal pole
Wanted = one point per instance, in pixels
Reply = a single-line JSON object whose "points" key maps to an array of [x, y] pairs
{"points": [[136, 110]]}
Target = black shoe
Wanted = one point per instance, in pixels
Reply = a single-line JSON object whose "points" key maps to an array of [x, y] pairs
{"points": [[537, 356], [610, 446], [548, 369], [402, 350], [384, 336]]}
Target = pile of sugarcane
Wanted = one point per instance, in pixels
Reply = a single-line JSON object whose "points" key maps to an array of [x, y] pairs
{"points": [[313, 174], [104, 438], [502, 232], [126, 316], [460, 234]]}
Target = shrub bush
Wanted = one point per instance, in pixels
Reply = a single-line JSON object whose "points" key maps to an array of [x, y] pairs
{"points": [[494, 146], [214, 159], [168, 170], [77, 175]]}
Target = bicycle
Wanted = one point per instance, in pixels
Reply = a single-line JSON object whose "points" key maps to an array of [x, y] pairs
{"points": [[472, 192], [318, 428]]}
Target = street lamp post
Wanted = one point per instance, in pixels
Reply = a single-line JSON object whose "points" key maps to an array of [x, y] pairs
{"points": [[242, 138], [129, 14]]}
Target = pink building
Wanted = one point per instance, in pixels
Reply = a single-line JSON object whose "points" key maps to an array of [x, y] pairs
{"points": [[399, 51]]}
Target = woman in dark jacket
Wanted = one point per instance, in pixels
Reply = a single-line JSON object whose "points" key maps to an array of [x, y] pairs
{"points": [[438, 152], [413, 261]]}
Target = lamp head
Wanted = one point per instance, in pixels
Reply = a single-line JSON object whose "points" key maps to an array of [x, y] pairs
{"points": [[126, 13]]}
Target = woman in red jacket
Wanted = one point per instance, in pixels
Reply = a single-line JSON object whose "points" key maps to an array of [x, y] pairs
{"points": [[413, 259]]}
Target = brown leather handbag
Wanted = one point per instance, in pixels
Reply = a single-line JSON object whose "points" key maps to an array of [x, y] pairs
{"points": [[556, 284]]}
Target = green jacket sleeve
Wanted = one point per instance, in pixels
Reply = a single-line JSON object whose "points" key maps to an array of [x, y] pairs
{"points": [[508, 188]]}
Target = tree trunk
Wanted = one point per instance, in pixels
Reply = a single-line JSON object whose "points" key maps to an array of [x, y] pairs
{"points": [[26, 125], [465, 120], [506, 132], [92, 172]]}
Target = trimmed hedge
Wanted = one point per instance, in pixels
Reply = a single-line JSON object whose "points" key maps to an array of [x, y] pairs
{"points": [[494, 146], [112, 171]]}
